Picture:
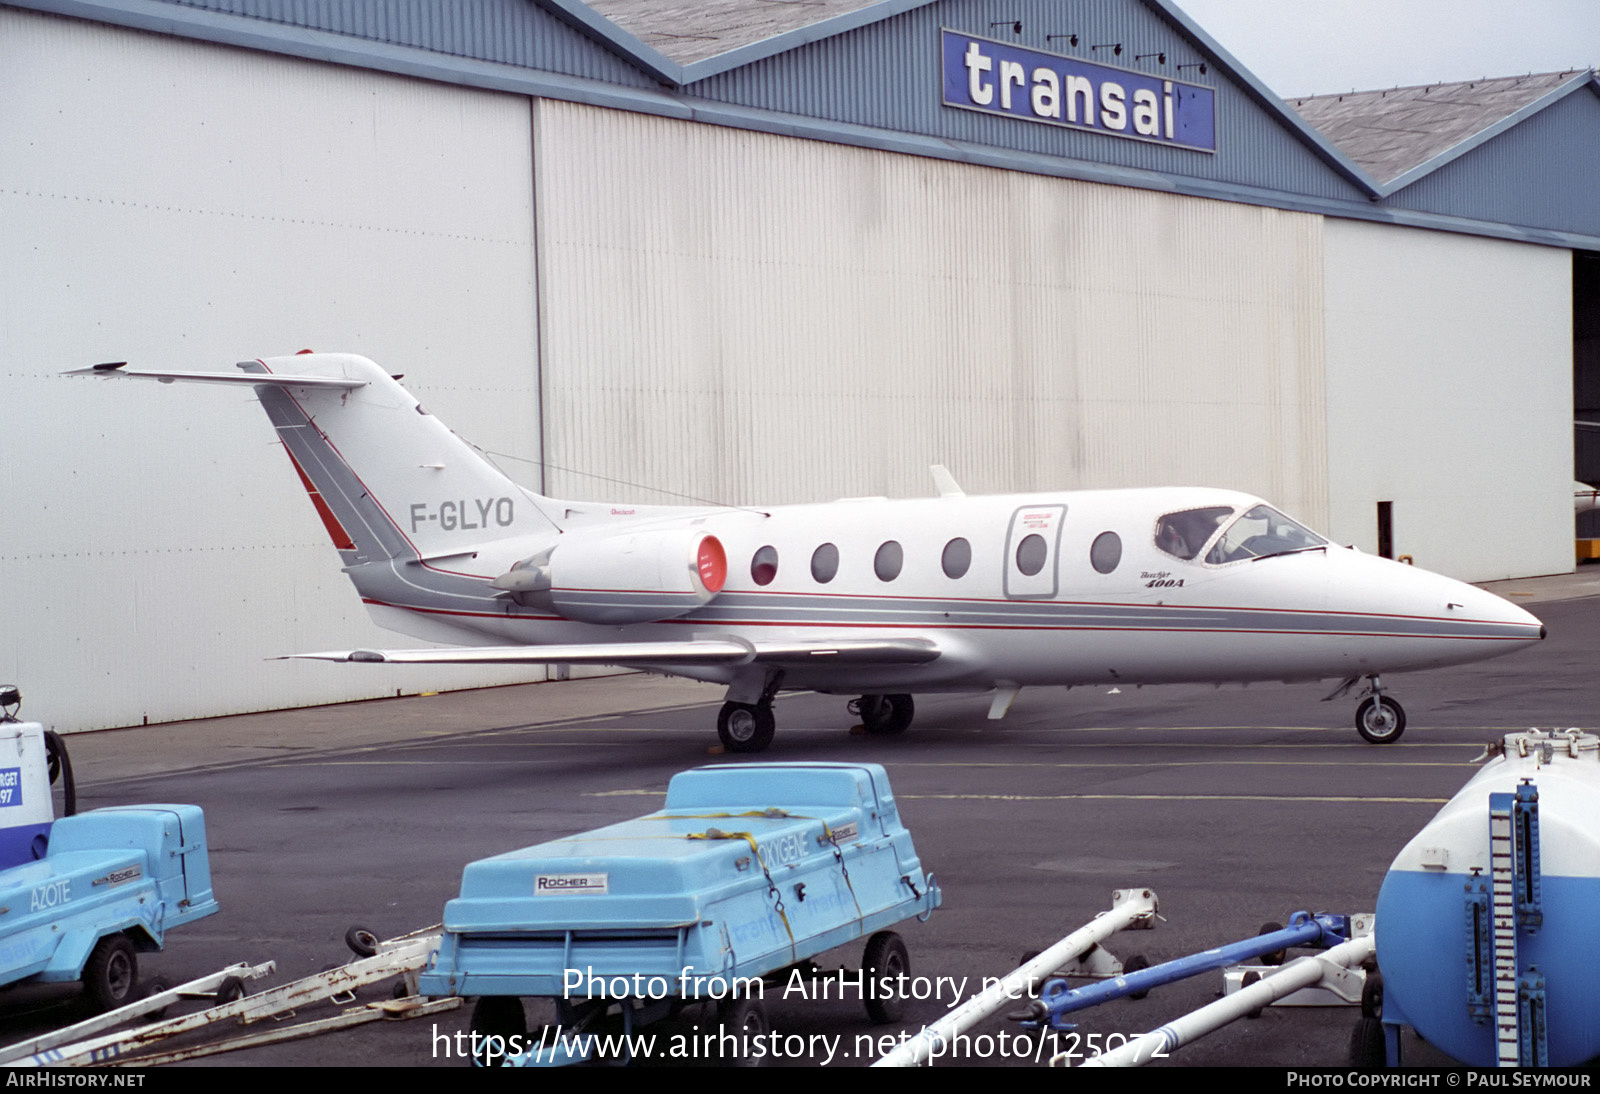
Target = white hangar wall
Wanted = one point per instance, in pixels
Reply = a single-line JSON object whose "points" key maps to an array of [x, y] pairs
{"points": [[182, 205], [757, 319], [1449, 365]]}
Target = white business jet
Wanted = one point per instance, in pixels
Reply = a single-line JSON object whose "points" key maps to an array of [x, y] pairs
{"points": [[871, 597]]}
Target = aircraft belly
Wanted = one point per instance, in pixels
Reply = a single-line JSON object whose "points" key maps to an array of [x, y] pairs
{"points": [[1057, 644]]}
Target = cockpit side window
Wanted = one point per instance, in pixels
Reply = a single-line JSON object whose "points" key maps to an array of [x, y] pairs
{"points": [[1182, 535], [1261, 532]]}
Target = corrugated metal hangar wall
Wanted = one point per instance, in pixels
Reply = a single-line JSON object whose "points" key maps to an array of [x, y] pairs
{"points": [[187, 206], [706, 311]]}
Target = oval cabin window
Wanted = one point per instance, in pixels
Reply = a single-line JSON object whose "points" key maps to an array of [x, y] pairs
{"points": [[887, 562], [764, 566]]}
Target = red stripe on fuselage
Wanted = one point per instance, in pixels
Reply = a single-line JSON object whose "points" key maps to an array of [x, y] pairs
{"points": [[924, 628]]}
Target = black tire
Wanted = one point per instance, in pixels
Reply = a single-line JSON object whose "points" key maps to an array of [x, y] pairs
{"points": [[1372, 995], [1380, 720], [1134, 964], [497, 1016], [886, 715], [1367, 1049], [885, 959], [230, 990], [60, 764], [362, 942], [154, 986], [745, 727], [745, 1019], [1276, 957], [1251, 978], [111, 975]]}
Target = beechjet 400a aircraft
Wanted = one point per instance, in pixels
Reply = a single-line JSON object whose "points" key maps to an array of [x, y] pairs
{"points": [[870, 597]]}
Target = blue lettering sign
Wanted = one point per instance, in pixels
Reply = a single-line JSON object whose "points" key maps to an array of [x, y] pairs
{"points": [[10, 786], [996, 78]]}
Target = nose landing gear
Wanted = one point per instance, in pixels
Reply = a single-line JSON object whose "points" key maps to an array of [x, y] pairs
{"points": [[1379, 719]]}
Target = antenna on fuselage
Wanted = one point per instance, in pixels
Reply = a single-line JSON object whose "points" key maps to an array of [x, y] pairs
{"points": [[946, 482]]}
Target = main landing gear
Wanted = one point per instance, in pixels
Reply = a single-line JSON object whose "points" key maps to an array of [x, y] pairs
{"points": [[883, 715], [748, 727], [1379, 719]]}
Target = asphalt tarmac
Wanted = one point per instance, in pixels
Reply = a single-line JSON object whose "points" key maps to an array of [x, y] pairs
{"points": [[1236, 806]]}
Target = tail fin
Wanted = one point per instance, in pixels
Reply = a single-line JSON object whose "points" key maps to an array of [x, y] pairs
{"points": [[389, 480]]}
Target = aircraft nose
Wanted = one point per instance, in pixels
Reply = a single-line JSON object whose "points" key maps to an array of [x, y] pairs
{"points": [[1495, 609]]}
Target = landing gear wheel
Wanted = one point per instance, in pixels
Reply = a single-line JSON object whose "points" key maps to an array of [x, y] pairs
{"points": [[745, 727], [744, 1019], [111, 975], [885, 962], [885, 715], [1380, 720], [497, 1024]]}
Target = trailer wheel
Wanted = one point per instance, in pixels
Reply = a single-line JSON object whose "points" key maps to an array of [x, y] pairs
{"points": [[1367, 1049], [745, 1019], [1372, 995], [885, 961], [1251, 977], [111, 975], [1276, 957], [362, 942], [60, 767], [229, 990], [155, 986], [497, 1024], [1134, 964]]}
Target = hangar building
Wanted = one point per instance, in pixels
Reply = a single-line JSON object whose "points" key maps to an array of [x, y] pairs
{"points": [[744, 252]]}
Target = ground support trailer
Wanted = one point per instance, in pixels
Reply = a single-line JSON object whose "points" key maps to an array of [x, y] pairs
{"points": [[82, 896], [746, 874]]}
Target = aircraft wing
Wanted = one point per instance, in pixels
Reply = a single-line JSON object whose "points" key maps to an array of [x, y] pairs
{"points": [[699, 651]]}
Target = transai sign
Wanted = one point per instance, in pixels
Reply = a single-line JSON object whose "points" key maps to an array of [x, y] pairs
{"points": [[996, 78]]}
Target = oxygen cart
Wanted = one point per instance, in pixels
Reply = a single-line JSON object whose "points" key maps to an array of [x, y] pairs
{"points": [[746, 874], [82, 896]]}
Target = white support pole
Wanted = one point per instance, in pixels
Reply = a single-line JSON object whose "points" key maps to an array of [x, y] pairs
{"points": [[1129, 908], [1300, 973]]}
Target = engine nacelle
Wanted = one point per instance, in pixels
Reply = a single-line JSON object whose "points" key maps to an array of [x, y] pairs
{"points": [[620, 579]]}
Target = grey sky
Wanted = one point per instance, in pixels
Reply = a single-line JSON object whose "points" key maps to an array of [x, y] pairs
{"points": [[1307, 47]]}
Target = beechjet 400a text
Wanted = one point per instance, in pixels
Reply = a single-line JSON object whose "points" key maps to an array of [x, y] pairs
{"points": [[874, 598]]}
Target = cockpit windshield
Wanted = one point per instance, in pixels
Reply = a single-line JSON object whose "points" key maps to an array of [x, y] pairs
{"points": [[1184, 534], [1261, 533]]}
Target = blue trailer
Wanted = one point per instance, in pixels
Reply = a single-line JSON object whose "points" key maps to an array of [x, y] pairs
{"points": [[746, 874], [82, 896]]}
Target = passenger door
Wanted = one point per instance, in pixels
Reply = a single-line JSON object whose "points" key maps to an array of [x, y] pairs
{"points": [[1032, 543]]}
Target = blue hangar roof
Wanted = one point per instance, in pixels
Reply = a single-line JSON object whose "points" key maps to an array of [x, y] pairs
{"points": [[1128, 92]]}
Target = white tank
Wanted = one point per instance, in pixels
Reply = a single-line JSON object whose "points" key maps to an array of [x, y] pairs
{"points": [[1450, 932]]}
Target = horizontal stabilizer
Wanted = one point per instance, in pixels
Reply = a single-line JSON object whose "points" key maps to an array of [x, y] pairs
{"points": [[702, 651], [247, 379]]}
